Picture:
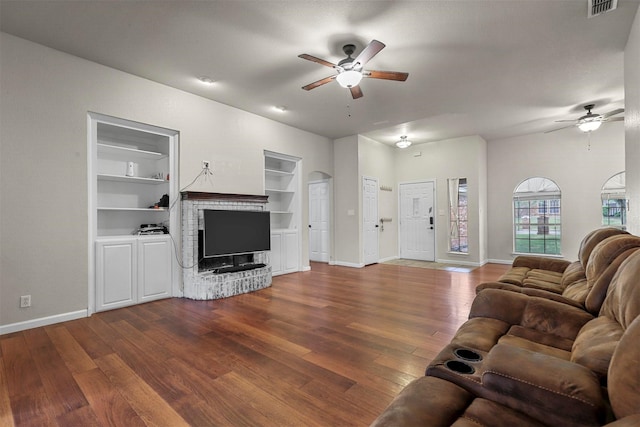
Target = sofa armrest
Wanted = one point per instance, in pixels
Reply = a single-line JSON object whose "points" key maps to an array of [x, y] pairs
{"points": [[498, 285], [541, 263], [542, 385], [539, 314]]}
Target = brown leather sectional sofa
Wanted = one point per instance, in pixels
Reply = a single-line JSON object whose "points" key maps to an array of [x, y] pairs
{"points": [[541, 357]]}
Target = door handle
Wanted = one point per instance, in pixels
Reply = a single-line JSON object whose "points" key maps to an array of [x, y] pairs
{"points": [[309, 225]]}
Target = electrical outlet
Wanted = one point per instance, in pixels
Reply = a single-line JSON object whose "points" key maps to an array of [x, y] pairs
{"points": [[25, 301], [205, 164]]}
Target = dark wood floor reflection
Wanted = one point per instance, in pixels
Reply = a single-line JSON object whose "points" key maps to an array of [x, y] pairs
{"points": [[331, 346]]}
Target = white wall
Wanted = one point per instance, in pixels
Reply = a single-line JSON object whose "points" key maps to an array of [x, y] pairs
{"points": [[564, 157], [346, 202], [632, 123], [45, 97], [453, 158], [377, 160]]}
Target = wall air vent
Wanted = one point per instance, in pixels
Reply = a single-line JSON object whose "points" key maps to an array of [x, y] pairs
{"points": [[598, 7]]}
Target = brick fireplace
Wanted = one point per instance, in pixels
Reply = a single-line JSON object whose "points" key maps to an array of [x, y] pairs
{"points": [[201, 281]]}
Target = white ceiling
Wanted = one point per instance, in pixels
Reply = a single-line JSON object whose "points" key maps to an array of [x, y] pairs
{"points": [[493, 68]]}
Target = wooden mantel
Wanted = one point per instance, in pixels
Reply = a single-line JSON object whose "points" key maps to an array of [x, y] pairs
{"points": [[199, 195]]}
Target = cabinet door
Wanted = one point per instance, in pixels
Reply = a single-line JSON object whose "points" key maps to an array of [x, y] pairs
{"points": [[154, 268], [290, 252], [116, 274], [275, 256]]}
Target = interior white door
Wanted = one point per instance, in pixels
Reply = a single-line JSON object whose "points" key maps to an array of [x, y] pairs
{"points": [[417, 221], [370, 220], [319, 221]]}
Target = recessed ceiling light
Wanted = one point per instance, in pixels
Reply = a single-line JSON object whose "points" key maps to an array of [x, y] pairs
{"points": [[280, 108], [206, 80]]}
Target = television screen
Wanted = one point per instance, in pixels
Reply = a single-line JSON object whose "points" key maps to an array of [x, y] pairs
{"points": [[235, 232]]}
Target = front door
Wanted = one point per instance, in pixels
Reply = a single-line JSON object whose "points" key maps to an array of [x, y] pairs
{"points": [[370, 220], [417, 221]]}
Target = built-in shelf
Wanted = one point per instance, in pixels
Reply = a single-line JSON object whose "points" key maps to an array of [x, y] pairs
{"points": [[132, 153], [277, 172], [133, 209], [131, 179], [275, 190]]}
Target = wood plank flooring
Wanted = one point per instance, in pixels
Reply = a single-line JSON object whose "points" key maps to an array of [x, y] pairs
{"points": [[328, 347]]}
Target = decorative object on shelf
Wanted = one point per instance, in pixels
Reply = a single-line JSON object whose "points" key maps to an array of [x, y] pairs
{"points": [[404, 142], [163, 203], [386, 188], [131, 166]]}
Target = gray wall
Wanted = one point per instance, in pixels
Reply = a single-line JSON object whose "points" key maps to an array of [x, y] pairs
{"points": [[564, 157], [632, 122], [45, 97], [453, 158]]}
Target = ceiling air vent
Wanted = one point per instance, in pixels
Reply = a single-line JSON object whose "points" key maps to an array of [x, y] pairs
{"points": [[598, 7]]}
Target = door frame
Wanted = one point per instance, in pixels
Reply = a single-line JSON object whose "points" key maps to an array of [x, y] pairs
{"points": [[435, 213], [364, 261], [328, 182]]}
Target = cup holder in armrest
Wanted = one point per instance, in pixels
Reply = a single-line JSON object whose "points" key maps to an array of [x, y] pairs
{"points": [[466, 354], [460, 367]]}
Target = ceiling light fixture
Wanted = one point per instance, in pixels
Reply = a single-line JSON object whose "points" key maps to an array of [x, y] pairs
{"points": [[349, 78], [404, 142], [206, 80], [280, 108], [590, 124]]}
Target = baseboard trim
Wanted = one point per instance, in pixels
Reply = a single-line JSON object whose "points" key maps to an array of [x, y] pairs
{"points": [[306, 268], [348, 264], [460, 262], [500, 261], [43, 321]]}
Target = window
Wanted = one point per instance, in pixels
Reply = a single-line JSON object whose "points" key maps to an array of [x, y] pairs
{"points": [[458, 219], [614, 202], [536, 217]]}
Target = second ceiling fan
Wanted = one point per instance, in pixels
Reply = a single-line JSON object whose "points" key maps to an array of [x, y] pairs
{"points": [[350, 71]]}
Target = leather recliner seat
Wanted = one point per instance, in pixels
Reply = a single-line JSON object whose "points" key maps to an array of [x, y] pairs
{"points": [[527, 386]]}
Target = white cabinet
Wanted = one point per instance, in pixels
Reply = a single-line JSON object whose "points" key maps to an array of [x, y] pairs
{"points": [[131, 270], [133, 170], [281, 185], [284, 255], [154, 268]]}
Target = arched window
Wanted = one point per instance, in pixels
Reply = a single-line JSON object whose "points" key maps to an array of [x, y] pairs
{"points": [[536, 217], [614, 202]]}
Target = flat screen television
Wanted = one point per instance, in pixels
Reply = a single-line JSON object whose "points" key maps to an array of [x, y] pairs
{"points": [[235, 232]]}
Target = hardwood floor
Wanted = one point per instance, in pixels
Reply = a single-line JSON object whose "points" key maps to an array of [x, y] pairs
{"points": [[331, 346]]}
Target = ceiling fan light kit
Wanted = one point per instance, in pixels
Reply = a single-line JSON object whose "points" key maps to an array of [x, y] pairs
{"points": [[404, 142], [348, 79], [350, 71], [589, 125], [592, 121]]}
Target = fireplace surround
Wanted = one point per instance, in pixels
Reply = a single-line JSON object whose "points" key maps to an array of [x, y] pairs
{"points": [[206, 280]]}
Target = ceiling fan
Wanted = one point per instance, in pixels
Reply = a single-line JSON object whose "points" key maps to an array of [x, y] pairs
{"points": [[592, 121], [351, 71]]}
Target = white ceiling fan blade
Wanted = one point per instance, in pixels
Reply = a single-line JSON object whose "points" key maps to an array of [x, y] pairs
{"points": [[613, 113], [614, 119], [564, 127]]}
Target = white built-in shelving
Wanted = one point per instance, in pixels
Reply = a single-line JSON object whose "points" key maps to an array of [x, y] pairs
{"points": [[132, 166], [281, 176]]}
